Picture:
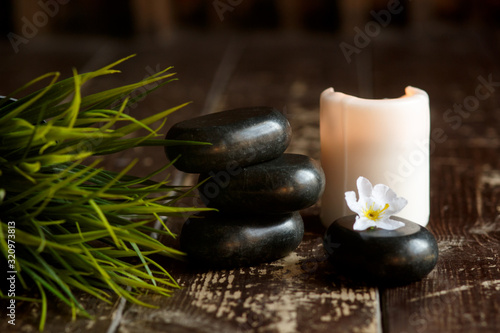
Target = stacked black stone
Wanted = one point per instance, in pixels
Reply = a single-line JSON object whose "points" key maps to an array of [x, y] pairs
{"points": [[257, 189]]}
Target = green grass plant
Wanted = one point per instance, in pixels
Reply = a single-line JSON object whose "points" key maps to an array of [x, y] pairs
{"points": [[79, 227]]}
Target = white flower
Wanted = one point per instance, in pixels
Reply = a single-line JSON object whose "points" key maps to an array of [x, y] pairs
{"points": [[375, 206]]}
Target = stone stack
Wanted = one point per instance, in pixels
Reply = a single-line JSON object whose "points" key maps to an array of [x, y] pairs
{"points": [[257, 189]]}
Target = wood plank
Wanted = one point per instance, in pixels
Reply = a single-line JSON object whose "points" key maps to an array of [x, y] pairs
{"points": [[295, 294], [462, 294], [59, 317]]}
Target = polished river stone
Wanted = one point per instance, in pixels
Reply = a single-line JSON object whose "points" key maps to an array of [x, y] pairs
{"points": [[290, 182], [238, 138], [382, 257], [222, 240]]}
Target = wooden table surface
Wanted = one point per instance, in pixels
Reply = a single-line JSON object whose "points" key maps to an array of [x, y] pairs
{"points": [[299, 293]]}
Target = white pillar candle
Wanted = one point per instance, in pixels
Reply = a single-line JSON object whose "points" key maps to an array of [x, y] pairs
{"points": [[383, 140]]}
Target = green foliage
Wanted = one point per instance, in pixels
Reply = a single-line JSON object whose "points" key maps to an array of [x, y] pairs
{"points": [[77, 226]]}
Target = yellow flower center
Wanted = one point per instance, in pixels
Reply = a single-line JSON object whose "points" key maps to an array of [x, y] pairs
{"points": [[373, 214]]}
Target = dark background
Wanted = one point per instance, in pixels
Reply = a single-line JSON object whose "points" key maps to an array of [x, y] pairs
{"points": [[120, 18]]}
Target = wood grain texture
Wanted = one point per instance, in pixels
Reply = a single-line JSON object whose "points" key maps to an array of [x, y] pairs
{"points": [[300, 293], [462, 294], [295, 294]]}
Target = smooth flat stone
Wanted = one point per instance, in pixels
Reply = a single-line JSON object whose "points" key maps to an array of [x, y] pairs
{"points": [[385, 257], [220, 240], [238, 138], [289, 183]]}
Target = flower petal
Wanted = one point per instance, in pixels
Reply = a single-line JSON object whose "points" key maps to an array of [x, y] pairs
{"points": [[396, 206], [390, 224], [363, 223], [383, 193], [365, 188], [375, 205], [352, 203], [366, 202]]}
